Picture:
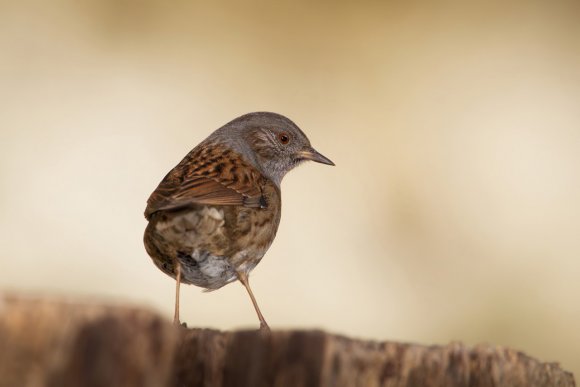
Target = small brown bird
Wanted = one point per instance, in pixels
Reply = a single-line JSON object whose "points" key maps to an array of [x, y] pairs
{"points": [[213, 217]]}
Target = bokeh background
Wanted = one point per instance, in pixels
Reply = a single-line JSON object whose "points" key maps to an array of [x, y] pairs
{"points": [[453, 212]]}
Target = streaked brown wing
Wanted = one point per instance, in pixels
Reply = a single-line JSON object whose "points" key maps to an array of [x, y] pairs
{"points": [[189, 184], [198, 189]]}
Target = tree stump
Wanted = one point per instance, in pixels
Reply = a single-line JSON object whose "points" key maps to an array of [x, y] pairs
{"points": [[55, 343]]}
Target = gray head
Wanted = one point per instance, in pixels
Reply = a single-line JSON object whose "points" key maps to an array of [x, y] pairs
{"points": [[270, 141]]}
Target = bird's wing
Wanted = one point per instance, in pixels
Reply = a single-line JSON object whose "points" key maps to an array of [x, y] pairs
{"points": [[217, 184]]}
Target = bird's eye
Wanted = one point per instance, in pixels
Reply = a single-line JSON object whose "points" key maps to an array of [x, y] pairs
{"points": [[284, 138]]}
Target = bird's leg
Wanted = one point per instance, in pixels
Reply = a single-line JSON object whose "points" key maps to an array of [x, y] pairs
{"points": [[177, 282], [243, 277]]}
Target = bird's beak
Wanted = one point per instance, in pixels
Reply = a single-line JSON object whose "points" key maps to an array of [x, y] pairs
{"points": [[309, 153]]}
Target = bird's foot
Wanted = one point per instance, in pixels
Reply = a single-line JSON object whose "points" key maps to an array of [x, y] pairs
{"points": [[178, 323], [264, 327]]}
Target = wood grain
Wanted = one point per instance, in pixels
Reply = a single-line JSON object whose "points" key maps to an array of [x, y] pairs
{"points": [[47, 342]]}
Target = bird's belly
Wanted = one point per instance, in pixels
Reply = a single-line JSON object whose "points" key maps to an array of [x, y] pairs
{"points": [[211, 243], [204, 269]]}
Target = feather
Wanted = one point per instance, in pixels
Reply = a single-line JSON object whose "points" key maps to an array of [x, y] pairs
{"points": [[211, 175]]}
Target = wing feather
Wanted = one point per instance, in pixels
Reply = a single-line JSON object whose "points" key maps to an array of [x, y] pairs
{"points": [[227, 181]]}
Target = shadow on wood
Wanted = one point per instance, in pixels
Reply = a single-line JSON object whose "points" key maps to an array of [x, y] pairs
{"points": [[56, 343]]}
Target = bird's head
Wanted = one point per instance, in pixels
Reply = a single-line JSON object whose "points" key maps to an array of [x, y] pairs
{"points": [[272, 143]]}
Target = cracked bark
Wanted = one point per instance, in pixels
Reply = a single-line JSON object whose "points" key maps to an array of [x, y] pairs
{"points": [[46, 342]]}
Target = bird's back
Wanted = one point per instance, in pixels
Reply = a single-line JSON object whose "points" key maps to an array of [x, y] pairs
{"points": [[213, 242]]}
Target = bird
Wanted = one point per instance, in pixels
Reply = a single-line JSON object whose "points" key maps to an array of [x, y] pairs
{"points": [[212, 218]]}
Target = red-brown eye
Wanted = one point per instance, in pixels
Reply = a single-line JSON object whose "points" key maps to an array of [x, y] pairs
{"points": [[284, 138]]}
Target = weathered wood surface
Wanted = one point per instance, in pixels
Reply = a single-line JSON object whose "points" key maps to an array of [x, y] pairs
{"points": [[62, 344]]}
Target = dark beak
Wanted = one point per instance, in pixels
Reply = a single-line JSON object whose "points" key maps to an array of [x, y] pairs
{"points": [[309, 153]]}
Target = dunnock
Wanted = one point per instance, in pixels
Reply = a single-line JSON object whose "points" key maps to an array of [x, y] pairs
{"points": [[213, 217]]}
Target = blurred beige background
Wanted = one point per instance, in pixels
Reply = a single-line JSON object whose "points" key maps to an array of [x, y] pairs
{"points": [[453, 212]]}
